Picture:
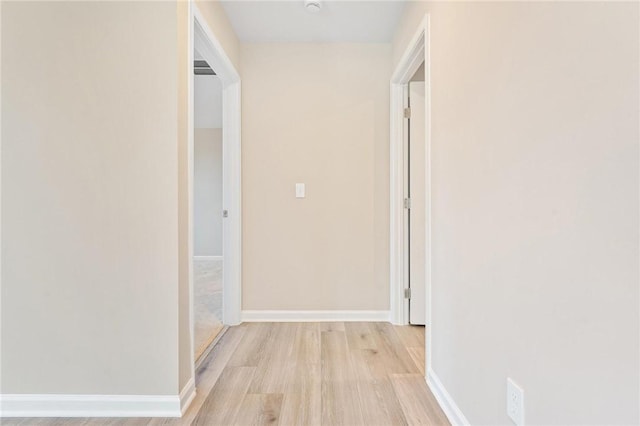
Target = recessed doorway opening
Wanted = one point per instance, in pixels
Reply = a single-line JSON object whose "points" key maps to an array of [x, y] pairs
{"points": [[410, 189], [415, 194], [214, 174], [208, 210]]}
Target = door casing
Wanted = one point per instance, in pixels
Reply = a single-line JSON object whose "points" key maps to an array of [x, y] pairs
{"points": [[415, 215], [416, 52], [203, 39]]}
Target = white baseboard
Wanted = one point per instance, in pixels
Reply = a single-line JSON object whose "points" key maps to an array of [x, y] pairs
{"points": [[313, 316], [32, 405], [448, 405], [187, 394], [207, 257]]}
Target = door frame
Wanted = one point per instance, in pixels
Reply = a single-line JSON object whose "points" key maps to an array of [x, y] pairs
{"points": [[203, 39], [416, 52]]}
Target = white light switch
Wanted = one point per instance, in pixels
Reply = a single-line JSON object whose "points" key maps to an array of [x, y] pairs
{"points": [[299, 190]]}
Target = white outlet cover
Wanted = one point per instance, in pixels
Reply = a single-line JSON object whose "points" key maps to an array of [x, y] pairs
{"points": [[300, 190], [515, 402]]}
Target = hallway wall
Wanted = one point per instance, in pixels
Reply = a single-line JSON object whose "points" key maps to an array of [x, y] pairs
{"points": [[219, 24], [89, 196], [207, 192], [316, 114], [535, 130]]}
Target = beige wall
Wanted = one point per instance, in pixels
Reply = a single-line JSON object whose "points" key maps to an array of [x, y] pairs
{"points": [[317, 114], [89, 196], [207, 100], [535, 207], [219, 24], [184, 70], [207, 192]]}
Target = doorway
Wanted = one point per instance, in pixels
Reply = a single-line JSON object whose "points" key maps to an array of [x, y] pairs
{"points": [[415, 196], [207, 207], [222, 220], [410, 189]]}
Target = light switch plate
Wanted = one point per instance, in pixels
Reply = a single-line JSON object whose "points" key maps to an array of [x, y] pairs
{"points": [[300, 190]]}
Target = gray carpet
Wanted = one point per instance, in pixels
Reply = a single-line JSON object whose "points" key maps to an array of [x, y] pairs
{"points": [[207, 294]]}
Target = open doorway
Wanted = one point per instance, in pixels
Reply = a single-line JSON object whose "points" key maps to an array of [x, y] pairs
{"points": [[415, 196], [214, 170], [410, 189], [207, 207]]}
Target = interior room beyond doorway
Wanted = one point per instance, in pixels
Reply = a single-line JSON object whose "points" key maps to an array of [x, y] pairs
{"points": [[208, 211]]}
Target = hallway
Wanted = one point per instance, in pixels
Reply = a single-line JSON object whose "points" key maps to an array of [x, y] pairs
{"points": [[320, 373], [306, 374]]}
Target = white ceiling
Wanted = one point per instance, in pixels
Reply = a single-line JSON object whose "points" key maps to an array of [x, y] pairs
{"points": [[338, 21]]}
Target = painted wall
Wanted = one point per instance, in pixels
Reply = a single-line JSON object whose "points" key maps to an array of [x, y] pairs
{"points": [[316, 114], [207, 202], [207, 98], [207, 192], [184, 70], [535, 206], [219, 23], [89, 196]]}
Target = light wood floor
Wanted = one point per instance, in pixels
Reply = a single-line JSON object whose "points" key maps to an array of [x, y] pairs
{"points": [[305, 374]]}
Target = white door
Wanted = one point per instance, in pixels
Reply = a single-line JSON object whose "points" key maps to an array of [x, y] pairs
{"points": [[417, 211]]}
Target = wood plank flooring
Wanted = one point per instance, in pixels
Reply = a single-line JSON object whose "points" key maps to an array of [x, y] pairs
{"points": [[304, 374]]}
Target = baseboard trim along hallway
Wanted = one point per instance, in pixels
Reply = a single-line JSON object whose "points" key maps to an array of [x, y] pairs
{"points": [[314, 316], [187, 394], [446, 402], [34, 405], [348, 373]]}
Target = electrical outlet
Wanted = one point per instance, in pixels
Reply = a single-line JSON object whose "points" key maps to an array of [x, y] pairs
{"points": [[515, 402]]}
